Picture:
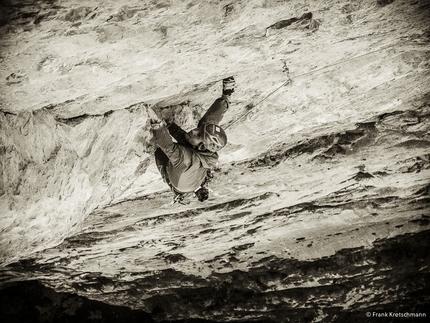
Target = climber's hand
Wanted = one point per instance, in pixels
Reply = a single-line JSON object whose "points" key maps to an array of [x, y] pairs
{"points": [[153, 117]]}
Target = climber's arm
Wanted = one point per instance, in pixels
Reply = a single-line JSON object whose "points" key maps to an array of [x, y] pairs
{"points": [[177, 154], [216, 111], [178, 133]]}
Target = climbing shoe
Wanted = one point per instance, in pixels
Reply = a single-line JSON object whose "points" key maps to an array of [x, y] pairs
{"points": [[228, 85], [202, 194]]}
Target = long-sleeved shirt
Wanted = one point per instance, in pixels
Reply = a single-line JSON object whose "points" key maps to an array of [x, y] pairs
{"points": [[188, 166], [215, 112]]}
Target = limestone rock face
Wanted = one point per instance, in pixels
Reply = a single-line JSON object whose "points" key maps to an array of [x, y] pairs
{"points": [[320, 204]]}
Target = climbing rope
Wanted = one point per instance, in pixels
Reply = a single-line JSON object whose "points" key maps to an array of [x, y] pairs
{"points": [[290, 81]]}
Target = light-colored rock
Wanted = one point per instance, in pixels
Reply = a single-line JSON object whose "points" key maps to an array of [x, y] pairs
{"points": [[321, 178]]}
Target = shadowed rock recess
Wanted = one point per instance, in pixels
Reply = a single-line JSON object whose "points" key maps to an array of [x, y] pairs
{"points": [[320, 208]]}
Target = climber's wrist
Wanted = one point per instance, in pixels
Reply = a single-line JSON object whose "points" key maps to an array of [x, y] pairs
{"points": [[156, 124]]}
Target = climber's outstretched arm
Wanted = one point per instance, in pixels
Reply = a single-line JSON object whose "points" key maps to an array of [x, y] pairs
{"points": [[216, 111], [177, 154]]}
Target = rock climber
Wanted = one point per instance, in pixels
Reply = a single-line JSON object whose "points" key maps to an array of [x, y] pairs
{"points": [[185, 165]]}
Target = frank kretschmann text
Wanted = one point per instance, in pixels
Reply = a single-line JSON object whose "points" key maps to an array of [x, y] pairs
{"points": [[395, 314]]}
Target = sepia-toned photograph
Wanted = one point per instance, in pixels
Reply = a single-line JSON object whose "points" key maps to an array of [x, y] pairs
{"points": [[203, 161]]}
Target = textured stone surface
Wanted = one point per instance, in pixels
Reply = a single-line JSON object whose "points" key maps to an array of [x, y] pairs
{"points": [[320, 204]]}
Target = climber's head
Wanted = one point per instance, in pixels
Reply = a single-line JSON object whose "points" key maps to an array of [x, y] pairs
{"points": [[209, 136], [214, 137], [195, 139]]}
